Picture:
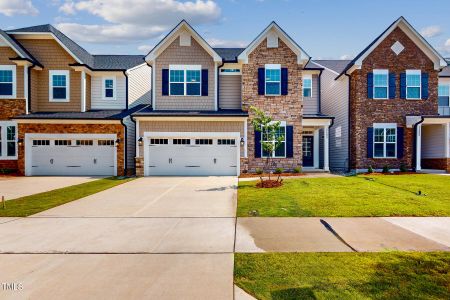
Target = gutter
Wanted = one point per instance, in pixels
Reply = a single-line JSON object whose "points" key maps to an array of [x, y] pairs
{"points": [[319, 85], [126, 88], [218, 84], [135, 140], [125, 148], [415, 143]]}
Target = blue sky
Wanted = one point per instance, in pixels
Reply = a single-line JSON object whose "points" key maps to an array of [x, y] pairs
{"points": [[324, 28]]}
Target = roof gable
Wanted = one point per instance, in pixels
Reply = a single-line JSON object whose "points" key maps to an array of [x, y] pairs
{"points": [[17, 47], [274, 30], [182, 27]]}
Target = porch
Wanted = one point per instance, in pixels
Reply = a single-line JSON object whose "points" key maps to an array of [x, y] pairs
{"points": [[315, 143]]}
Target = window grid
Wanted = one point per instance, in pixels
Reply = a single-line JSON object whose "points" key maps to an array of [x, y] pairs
{"points": [[273, 82], [444, 95], [59, 85], [63, 143], [385, 143], [307, 87], [281, 151], [181, 141], [380, 84], [84, 142], [413, 85], [105, 142], [109, 88], [41, 142], [159, 141], [203, 141], [226, 142], [6, 83], [185, 82]]}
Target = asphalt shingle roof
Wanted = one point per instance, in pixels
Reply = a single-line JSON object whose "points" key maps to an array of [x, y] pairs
{"points": [[229, 54], [148, 111], [311, 65], [120, 62], [337, 65], [18, 47]]}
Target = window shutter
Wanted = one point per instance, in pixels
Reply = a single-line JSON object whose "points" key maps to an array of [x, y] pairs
{"points": [[424, 86], [400, 142], [165, 82], [403, 85], [258, 149], [370, 142], [392, 87], [289, 141], [284, 81], [205, 82], [261, 81], [370, 85]]}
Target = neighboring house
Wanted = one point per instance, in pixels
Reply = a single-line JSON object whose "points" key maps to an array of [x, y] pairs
{"points": [[65, 111], [199, 122]]}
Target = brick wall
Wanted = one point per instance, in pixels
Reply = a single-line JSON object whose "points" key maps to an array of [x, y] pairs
{"points": [[74, 128], [364, 112], [436, 164], [287, 108]]}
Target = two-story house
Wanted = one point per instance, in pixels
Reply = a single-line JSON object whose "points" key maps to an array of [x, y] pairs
{"points": [[63, 110], [199, 122]]}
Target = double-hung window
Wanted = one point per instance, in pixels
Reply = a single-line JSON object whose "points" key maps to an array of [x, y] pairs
{"points": [[380, 84], [59, 86], [443, 94], [7, 81], [413, 84], [385, 140], [185, 80], [8, 140], [109, 88], [273, 80], [280, 152], [307, 86]]}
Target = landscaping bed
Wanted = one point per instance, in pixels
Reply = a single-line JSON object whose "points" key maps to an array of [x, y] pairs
{"points": [[266, 175], [391, 275]]}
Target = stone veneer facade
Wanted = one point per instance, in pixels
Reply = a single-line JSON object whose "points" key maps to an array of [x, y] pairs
{"points": [[287, 108], [364, 112]]}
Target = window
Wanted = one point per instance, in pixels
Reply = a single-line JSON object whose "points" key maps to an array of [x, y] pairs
{"points": [[181, 141], [443, 93], [105, 142], [273, 80], [8, 140], [203, 142], [226, 142], [59, 86], [41, 142], [380, 84], [85, 142], [185, 80], [385, 141], [159, 141], [109, 88], [307, 86], [281, 151], [413, 84], [7, 81], [230, 71], [63, 142]]}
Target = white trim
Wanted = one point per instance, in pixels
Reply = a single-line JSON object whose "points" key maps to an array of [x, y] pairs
{"points": [[310, 77], [316, 122], [245, 139], [114, 79], [326, 149], [316, 148], [385, 126], [216, 103], [414, 72], [50, 85], [282, 124], [83, 91], [11, 46], [137, 136], [4, 140], [153, 87], [271, 67], [419, 147], [185, 68], [447, 140], [381, 72], [25, 88], [12, 68], [212, 118]]}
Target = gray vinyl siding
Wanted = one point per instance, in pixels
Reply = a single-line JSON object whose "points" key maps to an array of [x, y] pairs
{"points": [[230, 91], [131, 142], [139, 86], [335, 102], [311, 104], [433, 141]]}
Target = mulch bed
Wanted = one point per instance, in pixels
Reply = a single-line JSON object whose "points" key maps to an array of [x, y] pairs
{"points": [[252, 175], [392, 173], [269, 184]]}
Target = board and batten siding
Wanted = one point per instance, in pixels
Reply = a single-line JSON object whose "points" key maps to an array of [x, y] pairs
{"points": [[230, 91], [97, 101], [433, 141], [335, 102], [311, 104], [139, 85]]}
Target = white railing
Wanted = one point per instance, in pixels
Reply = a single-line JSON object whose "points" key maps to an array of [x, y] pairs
{"points": [[444, 110]]}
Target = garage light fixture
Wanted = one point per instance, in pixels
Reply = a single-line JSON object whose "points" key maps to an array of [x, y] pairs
{"points": [[20, 142], [242, 141], [117, 142], [140, 141]]}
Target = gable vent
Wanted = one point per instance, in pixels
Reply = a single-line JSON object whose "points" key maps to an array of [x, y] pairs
{"points": [[397, 47]]}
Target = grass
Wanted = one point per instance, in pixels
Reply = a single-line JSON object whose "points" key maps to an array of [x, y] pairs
{"points": [[354, 196], [388, 275], [29, 205]]}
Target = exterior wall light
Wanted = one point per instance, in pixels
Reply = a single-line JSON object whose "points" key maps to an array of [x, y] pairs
{"points": [[140, 141], [117, 142], [242, 142], [20, 142]]}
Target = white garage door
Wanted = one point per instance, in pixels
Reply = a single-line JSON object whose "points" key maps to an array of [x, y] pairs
{"points": [[192, 156], [71, 156]]}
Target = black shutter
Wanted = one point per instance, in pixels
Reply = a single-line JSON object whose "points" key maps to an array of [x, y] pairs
{"points": [[258, 149], [284, 81], [205, 82], [370, 142], [403, 86], [261, 81], [425, 86], [392, 86], [370, 85], [165, 82], [289, 141], [400, 141]]}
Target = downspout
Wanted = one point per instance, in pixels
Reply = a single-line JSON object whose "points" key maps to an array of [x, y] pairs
{"points": [[135, 140], [125, 147], [320, 93], [415, 142], [349, 122], [126, 88], [218, 84]]}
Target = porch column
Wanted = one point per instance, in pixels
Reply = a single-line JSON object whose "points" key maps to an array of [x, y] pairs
{"points": [[326, 150], [316, 148], [83, 91], [447, 140], [419, 147]]}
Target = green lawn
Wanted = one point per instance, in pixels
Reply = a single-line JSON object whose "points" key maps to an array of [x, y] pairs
{"points": [[376, 195], [29, 205], [388, 275]]}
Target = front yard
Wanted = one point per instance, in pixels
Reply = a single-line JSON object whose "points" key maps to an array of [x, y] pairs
{"points": [[354, 196], [391, 275]]}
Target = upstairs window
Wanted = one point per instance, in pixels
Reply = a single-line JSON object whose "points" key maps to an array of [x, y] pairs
{"points": [[385, 141], [109, 87], [7, 81], [273, 80], [413, 84], [185, 80], [380, 84], [443, 94], [59, 86], [8, 140], [307, 86]]}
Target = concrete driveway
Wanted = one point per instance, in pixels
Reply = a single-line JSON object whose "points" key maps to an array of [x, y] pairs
{"points": [[16, 187], [158, 238]]}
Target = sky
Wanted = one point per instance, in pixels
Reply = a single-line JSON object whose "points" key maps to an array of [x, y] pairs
{"points": [[326, 29]]}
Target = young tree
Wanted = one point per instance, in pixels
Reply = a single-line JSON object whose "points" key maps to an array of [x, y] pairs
{"points": [[270, 132]]}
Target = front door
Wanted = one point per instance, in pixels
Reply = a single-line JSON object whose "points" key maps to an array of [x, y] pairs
{"points": [[308, 151]]}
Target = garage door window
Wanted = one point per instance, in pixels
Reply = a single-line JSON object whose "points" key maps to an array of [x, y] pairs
{"points": [[203, 141], [106, 142], [41, 143], [226, 142], [85, 142], [63, 142], [159, 141], [181, 141]]}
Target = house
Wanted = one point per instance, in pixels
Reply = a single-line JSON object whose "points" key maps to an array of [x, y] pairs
{"points": [[63, 110], [199, 122], [386, 104]]}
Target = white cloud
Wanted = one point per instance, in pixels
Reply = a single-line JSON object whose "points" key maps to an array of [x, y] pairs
{"points": [[145, 48], [68, 8], [431, 31], [226, 43], [346, 56], [17, 7]]}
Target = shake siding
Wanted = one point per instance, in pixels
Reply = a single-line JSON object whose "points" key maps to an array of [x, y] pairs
{"points": [[433, 143], [50, 54], [97, 93], [311, 104], [5, 54], [335, 100], [230, 91], [175, 54], [139, 86]]}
